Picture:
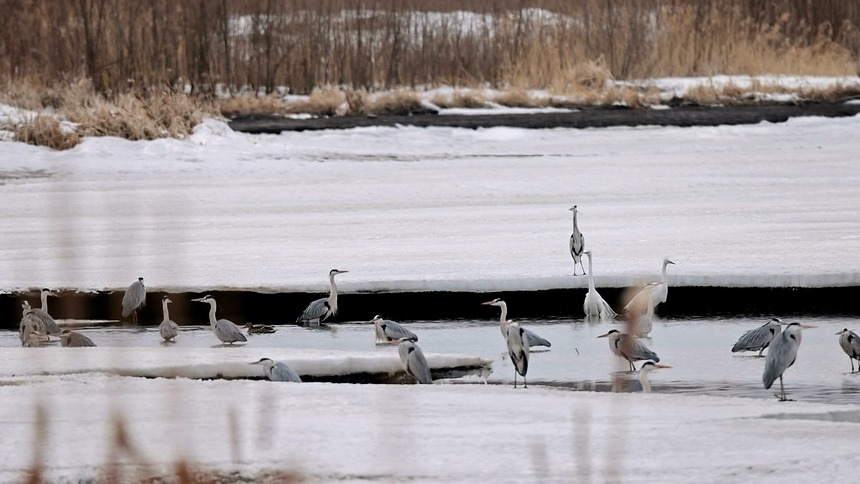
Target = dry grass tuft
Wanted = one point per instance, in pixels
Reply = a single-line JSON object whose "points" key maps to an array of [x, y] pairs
{"points": [[45, 130], [323, 101], [356, 99], [520, 98], [242, 105], [399, 102], [460, 99]]}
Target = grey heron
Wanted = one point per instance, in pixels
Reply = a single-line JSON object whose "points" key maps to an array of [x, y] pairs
{"points": [[322, 308], [850, 344], [252, 328], [387, 331], [167, 329], [74, 339], [518, 350], [504, 324], [224, 329], [656, 291], [413, 361], [278, 371], [134, 299], [629, 348], [30, 331], [781, 355], [577, 243], [645, 370], [759, 338], [594, 305], [46, 322]]}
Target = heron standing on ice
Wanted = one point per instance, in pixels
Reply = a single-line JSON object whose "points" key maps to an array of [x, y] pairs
{"points": [[224, 329], [322, 308], [577, 244], [759, 338], [47, 324], [167, 329], [781, 355], [518, 350], [413, 361], [504, 324], [134, 299], [850, 344]]}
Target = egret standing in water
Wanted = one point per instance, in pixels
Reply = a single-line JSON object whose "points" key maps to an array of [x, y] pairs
{"points": [[518, 350], [413, 361], [759, 338], [388, 331], [577, 243], [629, 348], [781, 355], [504, 324], [224, 329], [47, 324], [644, 370], [277, 371], [322, 308], [850, 344], [134, 299], [594, 305], [167, 329], [656, 291]]}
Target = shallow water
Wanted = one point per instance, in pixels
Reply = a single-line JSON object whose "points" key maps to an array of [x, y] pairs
{"points": [[699, 351]]}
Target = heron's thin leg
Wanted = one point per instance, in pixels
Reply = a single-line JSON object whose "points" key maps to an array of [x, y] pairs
{"points": [[515, 377], [781, 388], [525, 382], [760, 352], [852, 364]]}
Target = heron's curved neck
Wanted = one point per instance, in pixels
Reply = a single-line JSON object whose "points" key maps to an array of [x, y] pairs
{"points": [[164, 306], [665, 273], [44, 301], [590, 275], [574, 222], [212, 307], [503, 318], [332, 296], [643, 379]]}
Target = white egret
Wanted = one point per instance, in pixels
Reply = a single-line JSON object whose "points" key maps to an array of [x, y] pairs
{"points": [[504, 324], [594, 305], [134, 299], [322, 308], [577, 243], [413, 361], [782, 354], [758, 339], [167, 329], [518, 350], [629, 348], [645, 370], [388, 331], [850, 344], [278, 371], [224, 329], [656, 291]]}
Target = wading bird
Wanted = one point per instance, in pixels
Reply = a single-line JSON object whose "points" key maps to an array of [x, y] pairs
{"points": [[413, 361], [577, 243], [504, 324], [644, 370], [629, 348], [224, 329], [47, 324], [74, 339], [252, 328], [167, 329], [759, 338], [850, 344], [595, 306], [30, 329], [781, 355], [518, 350], [656, 291], [134, 299], [322, 308], [387, 331], [277, 371]]}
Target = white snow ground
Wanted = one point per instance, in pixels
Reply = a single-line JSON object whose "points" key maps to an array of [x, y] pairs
{"points": [[436, 208]]}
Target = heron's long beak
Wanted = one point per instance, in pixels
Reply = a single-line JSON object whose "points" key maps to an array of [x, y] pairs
{"points": [[839, 333], [199, 299], [488, 303], [658, 365], [808, 326], [603, 335], [670, 262], [52, 294]]}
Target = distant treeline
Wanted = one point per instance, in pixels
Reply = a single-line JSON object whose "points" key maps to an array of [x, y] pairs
{"points": [[124, 45]]}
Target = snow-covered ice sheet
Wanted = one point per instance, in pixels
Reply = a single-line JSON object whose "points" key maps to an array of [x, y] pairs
{"points": [[436, 208], [427, 433]]}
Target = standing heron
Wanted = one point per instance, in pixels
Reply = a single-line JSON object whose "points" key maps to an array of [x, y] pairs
{"points": [[594, 305], [224, 329], [656, 291], [278, 371], [629, 348], [577, 243], [134, 299], [782, 354], [388, 331], [46, 322], [30, 330], [850, 344], [644, 370], [322, 308], [252, 328], [518, 350], [504, 324], [759, 338], [74, 339], [168, 329], [413, 361]]}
